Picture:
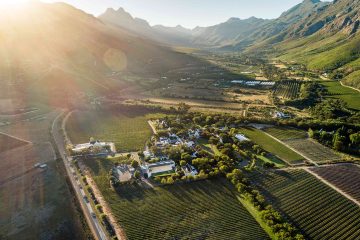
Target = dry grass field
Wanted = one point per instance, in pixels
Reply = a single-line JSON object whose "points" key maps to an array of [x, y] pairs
{"points": [[35, 203]]}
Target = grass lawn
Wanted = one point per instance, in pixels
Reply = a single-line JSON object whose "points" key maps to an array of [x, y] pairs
{"points": [[129, 131], [271, 145], [199, 210], [348, 95], [272, 159]]}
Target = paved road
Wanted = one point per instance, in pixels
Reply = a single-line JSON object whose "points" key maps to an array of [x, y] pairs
{"points": [[93, 222]]}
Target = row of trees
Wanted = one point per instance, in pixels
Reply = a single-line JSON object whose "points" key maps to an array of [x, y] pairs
{"points": [[278, 225], [342, 139]]}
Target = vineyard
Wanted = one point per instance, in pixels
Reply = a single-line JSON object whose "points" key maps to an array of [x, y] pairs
{"points": [[314, 150], [200, 210], [271, 145], [315, 208], [345, 177], [284, 134], [288, 89]]}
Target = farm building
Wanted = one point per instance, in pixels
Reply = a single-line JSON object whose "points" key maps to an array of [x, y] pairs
{"points": [[241, 137], [158, 168], [189, 170], [282, 115], [104, 146]]}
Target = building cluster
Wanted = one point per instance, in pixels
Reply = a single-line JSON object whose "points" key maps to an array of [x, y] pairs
{"points": [[94, 147]]}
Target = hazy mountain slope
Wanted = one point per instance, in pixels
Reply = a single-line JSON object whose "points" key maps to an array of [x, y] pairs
{"points": [[280, 29], [168, 35], [227, 32], [55, 51], [334, 46]]}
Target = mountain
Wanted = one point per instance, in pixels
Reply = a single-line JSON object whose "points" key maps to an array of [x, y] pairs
{"points": [[214, 36], [226, 33], [52, 52], [168, 35], [328, 40]]}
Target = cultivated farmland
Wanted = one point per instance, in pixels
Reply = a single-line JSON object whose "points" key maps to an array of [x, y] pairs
{"points": [[272, 146], [129, 131], [345, 177], [200, 210], [314, 150], [287, 89], [315, 208]]}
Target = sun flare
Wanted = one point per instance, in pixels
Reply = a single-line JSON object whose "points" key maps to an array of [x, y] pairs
{"points": [[12, 3]]}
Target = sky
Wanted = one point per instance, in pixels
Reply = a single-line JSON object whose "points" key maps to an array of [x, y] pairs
{"points": [[188, 13]]}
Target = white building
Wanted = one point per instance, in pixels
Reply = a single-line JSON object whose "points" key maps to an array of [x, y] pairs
{"points": [[241, 137], [158, 168], [189, 170], [94, 144], [278, 114]]}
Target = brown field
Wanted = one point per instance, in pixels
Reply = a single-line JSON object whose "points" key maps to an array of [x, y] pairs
{"points": [[35, 203], [8, 143]]}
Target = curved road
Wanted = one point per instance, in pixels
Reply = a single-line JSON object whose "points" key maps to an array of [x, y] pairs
{"points": [[93, 222]]}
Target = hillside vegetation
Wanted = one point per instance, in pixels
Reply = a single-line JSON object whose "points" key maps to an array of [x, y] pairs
{"points": [[54, 52]]}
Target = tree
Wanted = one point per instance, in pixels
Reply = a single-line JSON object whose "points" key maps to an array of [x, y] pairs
{"points": [[183, 108], [135, 164], [137, 174], [186, 157], [170, 180], [355, 138], [183, 163]]}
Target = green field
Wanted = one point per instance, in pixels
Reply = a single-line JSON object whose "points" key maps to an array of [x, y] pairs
{"points": [[199, 210], [272, 146], [348, 95], [283, 133], [315, 208], [129, 131]]}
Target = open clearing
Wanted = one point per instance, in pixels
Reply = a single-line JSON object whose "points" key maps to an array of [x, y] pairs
{"points": [[200, 210], [345, 177], [128, 130], [272, 146], [315, 208]]}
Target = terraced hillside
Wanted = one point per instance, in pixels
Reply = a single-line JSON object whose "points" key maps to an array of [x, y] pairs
{"points": [[315, 208], [200, 210], [345, 177]]}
